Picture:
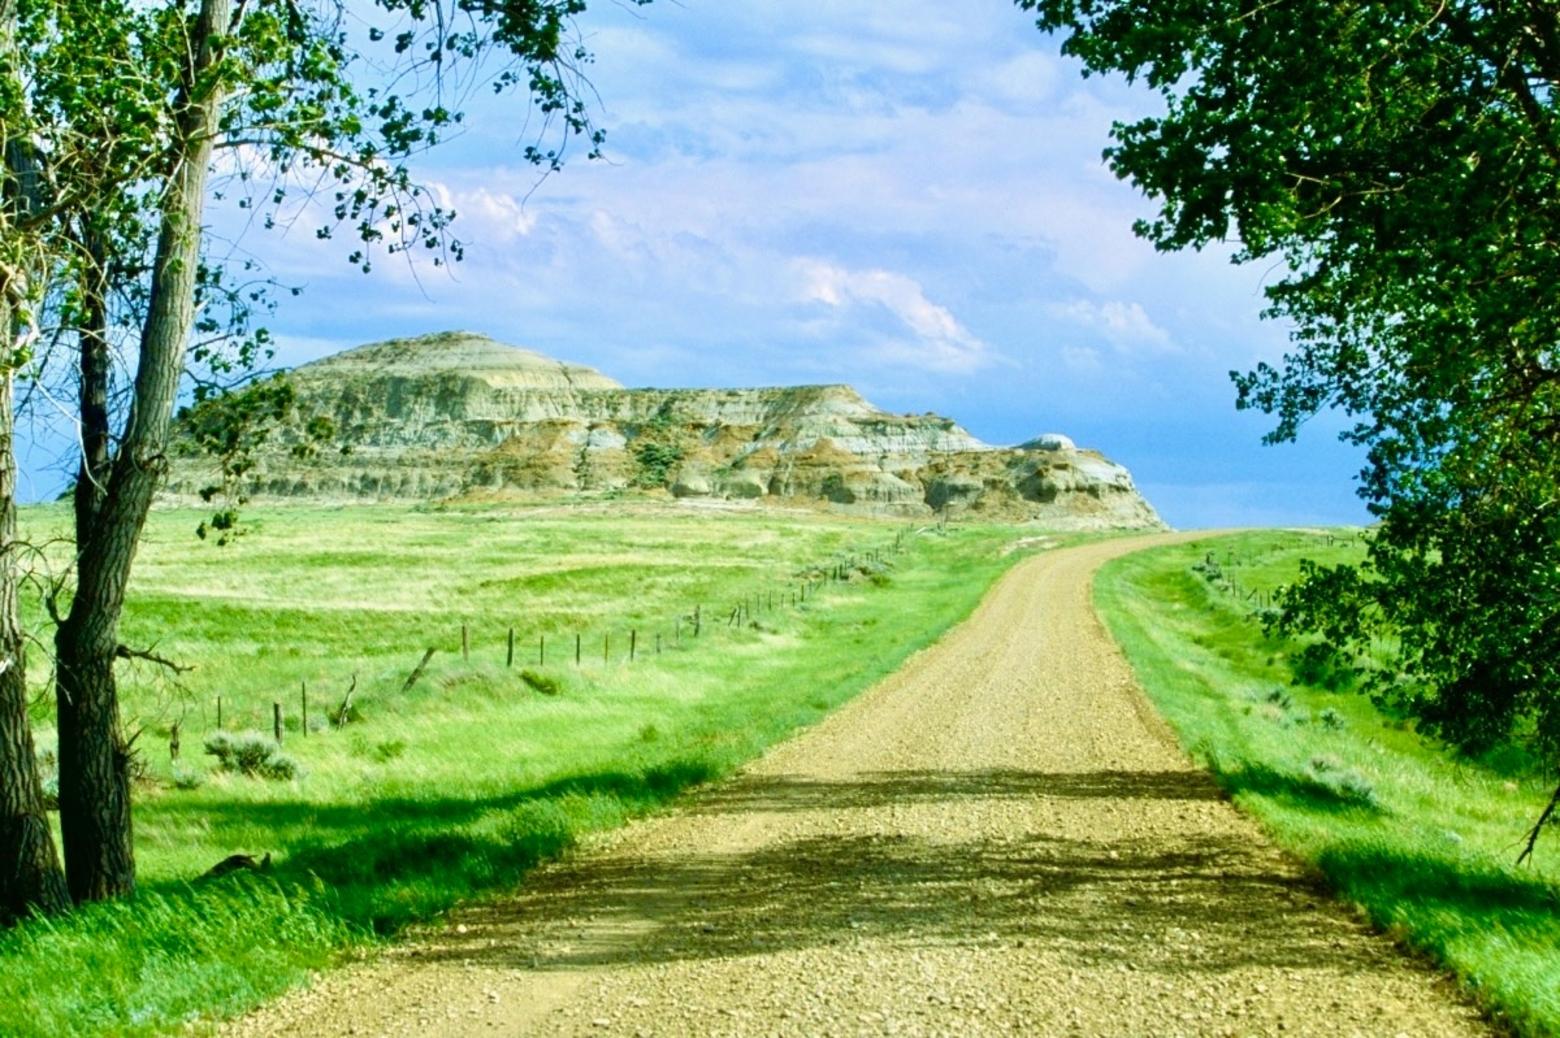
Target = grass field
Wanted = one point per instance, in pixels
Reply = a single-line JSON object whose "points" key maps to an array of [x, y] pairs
{"points": [[1423, 841], [460, 784]]}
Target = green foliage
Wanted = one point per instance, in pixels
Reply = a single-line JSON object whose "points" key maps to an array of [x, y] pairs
{"points": [[231, 427], [654, 461], [1423, 840], [253, 755], [546, 684], [1403, 168], [834, 488]]}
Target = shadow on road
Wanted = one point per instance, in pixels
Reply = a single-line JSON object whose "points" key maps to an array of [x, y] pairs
{"points": [[1159, 903]]}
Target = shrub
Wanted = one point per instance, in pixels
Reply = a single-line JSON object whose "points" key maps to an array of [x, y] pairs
{"points": [[654, 462], [49, 778], [1357, 789], [187, 778], [389, 750], [1331, 719], [547, 686], [252, 754]]}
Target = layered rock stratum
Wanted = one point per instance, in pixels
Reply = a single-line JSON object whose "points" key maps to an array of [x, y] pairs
{"points": [[458, 415]]}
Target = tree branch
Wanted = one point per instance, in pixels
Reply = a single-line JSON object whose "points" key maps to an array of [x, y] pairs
{"points": [[124, 652], [1538, 827]]}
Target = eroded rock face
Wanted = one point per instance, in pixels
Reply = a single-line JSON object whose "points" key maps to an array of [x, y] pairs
{"points": [[458, 414]]}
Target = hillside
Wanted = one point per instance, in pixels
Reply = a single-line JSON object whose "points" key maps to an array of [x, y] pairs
{"points": [[458, 415]]}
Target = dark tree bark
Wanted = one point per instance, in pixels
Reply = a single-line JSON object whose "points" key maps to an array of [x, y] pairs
{"points": [[30, 877], [92, 475], [95, 817]]}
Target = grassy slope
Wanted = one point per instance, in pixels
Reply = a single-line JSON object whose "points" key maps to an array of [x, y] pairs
{"points": [[462, 783], [1422, 841]]}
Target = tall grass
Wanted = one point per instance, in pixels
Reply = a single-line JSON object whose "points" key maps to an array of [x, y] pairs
{"points": [[1424, 841], [481, 770]]}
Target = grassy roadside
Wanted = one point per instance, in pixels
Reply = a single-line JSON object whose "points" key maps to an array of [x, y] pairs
{"points": [[1423, 841], [482, 770]]}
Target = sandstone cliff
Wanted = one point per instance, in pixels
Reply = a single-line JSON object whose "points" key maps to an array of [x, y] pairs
{"points": [[459, 415]]}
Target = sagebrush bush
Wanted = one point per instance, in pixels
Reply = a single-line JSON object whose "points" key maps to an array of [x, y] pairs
{"points": [[547, 686], [187, 778], [49, 778], [251, 754]]}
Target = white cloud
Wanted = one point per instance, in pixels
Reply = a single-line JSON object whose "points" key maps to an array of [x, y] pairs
{"points": [[938, 341], [1125, 325], [1084, 360], [1022, 81]]}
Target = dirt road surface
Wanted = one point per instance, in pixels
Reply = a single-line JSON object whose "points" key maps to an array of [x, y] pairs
{"points": [[1001, 838]]}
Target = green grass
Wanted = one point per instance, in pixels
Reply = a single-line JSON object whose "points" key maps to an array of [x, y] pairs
{"points": [[1423, 841], [481, 770]]}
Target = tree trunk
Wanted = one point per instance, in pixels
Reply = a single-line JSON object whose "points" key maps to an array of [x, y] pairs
{"points": [[92, 475], [30, 877], [95, 817]]}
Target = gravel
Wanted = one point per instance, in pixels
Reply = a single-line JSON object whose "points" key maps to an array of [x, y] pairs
{"points": [[999, 839]]}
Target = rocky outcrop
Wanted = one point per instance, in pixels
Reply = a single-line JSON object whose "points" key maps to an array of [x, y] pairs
{"points": [[459, 415]]}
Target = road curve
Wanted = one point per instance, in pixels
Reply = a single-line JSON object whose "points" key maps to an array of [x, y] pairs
{"points": [[1000, 838]]}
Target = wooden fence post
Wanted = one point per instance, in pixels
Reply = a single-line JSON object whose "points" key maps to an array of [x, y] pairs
{"points": [[412, 678], [509, 658], [633, 644], [276, 721], [219, 713], [173, 743], [698, 620], [303, 704], [658, 643], [606, 647], [541, 650], [577, 637], [465, 643]]}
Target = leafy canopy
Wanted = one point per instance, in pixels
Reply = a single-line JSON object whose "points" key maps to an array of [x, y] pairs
{"points": [[1401, 162]]}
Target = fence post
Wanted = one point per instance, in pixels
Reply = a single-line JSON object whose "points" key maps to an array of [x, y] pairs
{"points": [[541, 650], [606, 647], [276, 721], [509, 660], [633, 644], [678, 635], [219, 713], [173, 743], [698, 620], [411, 679], [303, 703], [658, 643], [465, 644], [577, 637]]}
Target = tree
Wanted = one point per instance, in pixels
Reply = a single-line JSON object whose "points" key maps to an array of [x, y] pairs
{"points": [[1402, 163], [126, 105], [30, 875]]}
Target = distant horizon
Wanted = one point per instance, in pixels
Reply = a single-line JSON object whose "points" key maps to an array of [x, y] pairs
{"points": [[45, 480]]}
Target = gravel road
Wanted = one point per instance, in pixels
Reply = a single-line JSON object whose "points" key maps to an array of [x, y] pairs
{"points": [[1001, 838]]}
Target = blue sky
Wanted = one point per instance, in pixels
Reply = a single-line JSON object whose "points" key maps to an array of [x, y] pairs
{"points": [[908, 197]]}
